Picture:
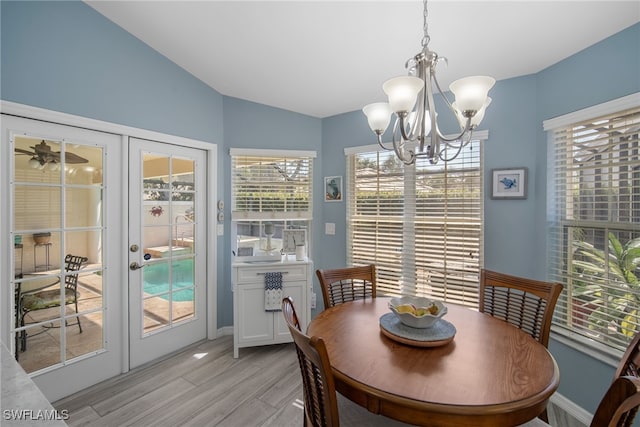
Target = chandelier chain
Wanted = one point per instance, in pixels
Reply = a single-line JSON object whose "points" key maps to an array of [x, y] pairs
{"points": [[425, 25]]}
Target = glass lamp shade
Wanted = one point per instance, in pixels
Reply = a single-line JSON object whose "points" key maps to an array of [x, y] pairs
{"points": [[34, 163], [402, 92], [476, 119], [414, 123], [378, 115], [471, 92]]}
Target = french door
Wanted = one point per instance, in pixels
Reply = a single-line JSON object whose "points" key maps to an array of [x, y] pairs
{"points": [[167, 248], [59, 317]]}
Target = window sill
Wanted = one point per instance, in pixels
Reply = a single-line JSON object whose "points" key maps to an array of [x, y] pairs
{"points": [[589, 347]]}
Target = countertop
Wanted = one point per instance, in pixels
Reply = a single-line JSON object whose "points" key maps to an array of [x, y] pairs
{"points": [[22, 402]]}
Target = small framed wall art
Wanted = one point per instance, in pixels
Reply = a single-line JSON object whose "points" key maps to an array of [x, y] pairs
{"points": [[332, 188], [509, 183]]}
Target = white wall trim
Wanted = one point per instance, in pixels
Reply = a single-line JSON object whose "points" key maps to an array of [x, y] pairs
{"points": [[267, 152], [225, 330], [29, 112], [605, 108], [580, 414]]}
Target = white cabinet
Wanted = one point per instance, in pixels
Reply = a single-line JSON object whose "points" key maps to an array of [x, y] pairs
{"points": [[252, 325]]}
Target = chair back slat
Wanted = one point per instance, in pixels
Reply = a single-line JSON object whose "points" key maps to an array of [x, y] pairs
{"points": [[341, 285], [525, 303], [72, 263], [630, 362]]}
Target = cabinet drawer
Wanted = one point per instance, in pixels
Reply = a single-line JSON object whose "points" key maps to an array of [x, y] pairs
{"points": [[291, 272]]}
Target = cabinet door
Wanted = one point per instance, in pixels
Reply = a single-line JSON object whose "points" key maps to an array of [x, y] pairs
{"points": [[295, 290], [255, 324]]}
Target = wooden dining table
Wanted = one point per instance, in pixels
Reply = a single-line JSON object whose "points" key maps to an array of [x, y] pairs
{"points": [[490, 374]]}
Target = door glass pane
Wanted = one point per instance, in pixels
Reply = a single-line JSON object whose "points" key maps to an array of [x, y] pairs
{"points": [[168, 241], [37, 160], [36, 207], [57, 264], [83, 207]]}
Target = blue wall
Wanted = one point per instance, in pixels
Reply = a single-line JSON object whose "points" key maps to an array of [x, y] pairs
{"points": [[605, 71], [66, 57], [251, 125]]}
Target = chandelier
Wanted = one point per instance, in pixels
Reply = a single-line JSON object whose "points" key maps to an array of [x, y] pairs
{"points": [[415, 132]]}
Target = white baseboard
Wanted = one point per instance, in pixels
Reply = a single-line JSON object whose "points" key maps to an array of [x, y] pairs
{"points": [[571, 408], [225, 330]]}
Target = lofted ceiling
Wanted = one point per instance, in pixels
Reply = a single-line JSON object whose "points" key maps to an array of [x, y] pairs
{"points": [[322, 58]]}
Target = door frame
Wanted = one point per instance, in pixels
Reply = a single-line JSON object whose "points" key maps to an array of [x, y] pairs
{"points": [[36, 113]]}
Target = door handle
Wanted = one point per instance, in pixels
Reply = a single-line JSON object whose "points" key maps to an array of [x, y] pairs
{"points": [[135, 266]]}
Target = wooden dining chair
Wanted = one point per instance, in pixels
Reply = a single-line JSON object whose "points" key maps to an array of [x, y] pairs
{"points": [[630, 362], [525, 303], [347, 284], [617, 408], [320, 400]]}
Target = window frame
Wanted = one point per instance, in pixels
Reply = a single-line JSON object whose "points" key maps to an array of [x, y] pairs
{"points": [[282, 219], [410, 276], [561, 226]]}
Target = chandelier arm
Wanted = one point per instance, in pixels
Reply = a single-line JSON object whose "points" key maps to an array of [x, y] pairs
{"points": [[442, 94], [381, 144], [448, 159], [467, 129], [459, 148], [403, 132], [397, 144]]}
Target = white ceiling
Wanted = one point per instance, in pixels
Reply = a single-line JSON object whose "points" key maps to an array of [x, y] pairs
{"points": [[323, 58]]}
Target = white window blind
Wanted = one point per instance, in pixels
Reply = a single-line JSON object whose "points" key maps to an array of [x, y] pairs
{"points": [[420, 224], [594, 231], [271, 184]]}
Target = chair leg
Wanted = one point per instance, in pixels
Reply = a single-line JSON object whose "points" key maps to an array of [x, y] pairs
{"points": [[23, 334], [16, 346], [78, 318], [544, 416]]}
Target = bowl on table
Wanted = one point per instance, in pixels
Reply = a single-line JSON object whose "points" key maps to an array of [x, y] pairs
{"points": [[417, 312]]}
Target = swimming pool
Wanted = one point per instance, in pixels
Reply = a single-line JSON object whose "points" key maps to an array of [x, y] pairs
{"points": [[155, 279]]}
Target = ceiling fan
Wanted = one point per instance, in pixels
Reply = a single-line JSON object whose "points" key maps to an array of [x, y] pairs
{"points": [[43, 155]]}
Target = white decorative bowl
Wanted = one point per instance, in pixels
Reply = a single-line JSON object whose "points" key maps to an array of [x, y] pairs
{"points": [[417, 321]]}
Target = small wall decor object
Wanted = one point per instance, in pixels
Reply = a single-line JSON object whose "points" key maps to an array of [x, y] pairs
{"points": [[156, 210], [332, 188], [509, 183]]}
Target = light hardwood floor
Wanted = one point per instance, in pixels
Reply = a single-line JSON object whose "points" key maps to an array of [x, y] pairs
{"points": [[204, 386]]}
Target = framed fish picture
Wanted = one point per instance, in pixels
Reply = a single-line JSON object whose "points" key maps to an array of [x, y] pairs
{"points": [[509, 183]]}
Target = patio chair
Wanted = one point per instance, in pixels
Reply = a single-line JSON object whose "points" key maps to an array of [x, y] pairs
{"points": [[347, 284], [49, 298]]}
